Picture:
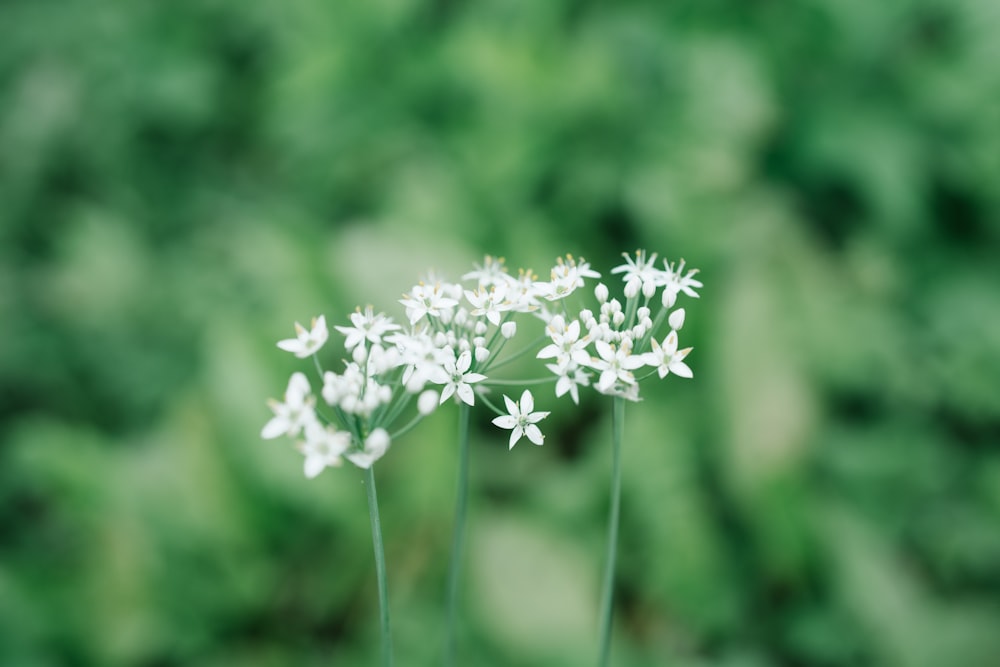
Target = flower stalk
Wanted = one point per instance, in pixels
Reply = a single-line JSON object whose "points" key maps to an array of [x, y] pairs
{"points": [[380, 574], [458, 532], [607, 588]]}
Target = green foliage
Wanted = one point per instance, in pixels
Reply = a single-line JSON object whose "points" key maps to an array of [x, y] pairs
{"points": [[180, 181]]}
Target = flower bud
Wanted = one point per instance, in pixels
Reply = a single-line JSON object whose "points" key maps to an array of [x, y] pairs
{"points": [[481, 328], [648, 289], [618, 318], [508, 329], [676, 319], [427, 402], [642, 313], [601, 292], [481, 354], [669, 297], [359, 354]]}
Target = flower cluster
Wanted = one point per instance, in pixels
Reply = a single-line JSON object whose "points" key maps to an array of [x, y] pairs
{"points": [[613, 342], [454, 336]]}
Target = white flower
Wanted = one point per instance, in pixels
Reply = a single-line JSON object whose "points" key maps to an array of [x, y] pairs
{"points": [[492, 272], [571, 378], [375, 447], [459, 379], [367, 326], [508, 329], [675, 283], [425, 300], [616, 365], [423, 359], [295, 413], [306, 342], [522, 292], [565, 277], [489, 302], [522, 420], [566, 342], [667, 358], [323, 447], [639, 274]]}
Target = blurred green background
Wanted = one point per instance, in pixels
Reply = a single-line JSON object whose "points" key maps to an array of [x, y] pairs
{"points": [[181, 181]]}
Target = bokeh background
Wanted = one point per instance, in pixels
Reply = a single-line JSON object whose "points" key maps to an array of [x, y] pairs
{"points": [[181, 181]]}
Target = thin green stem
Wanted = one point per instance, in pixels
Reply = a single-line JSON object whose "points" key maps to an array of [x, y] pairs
{"points": [[383, 589], [530, 348], [489, 403], [607, 589], [458, 534], [491, 382], [409, 425]]}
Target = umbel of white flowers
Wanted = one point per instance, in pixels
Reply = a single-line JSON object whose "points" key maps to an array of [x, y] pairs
{"points": [[613, 342], [456, 334]]}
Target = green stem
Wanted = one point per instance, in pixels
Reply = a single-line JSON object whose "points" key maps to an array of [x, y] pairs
{"points": [[458, 535], [383, 589], [607, 593], [531, 348], [491, 406], [492, 382]]}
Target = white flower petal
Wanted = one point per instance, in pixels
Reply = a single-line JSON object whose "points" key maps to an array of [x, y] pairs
{"points": [[681, 369], [505, 421], [515, 435], [534, 434], [536, 417], [276, 427], [527, 403], [313, 466], [466, 394]]}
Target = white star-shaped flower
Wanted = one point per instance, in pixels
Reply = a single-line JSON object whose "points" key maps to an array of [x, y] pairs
{"points": [[292, 415], [367, 326], [616, 364], [306, 342], [323, 447], [492, 272], [425, 300], [666, 358], [522, 419], [489, 302], [566, 343], [571, 378], [459, 379], [678, 281], [640, 274], [376, 445]]}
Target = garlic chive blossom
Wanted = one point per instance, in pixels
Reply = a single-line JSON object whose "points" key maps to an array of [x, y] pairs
{"points": [[615, 338], [306, 342], [459, 379], [522, 419]]}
